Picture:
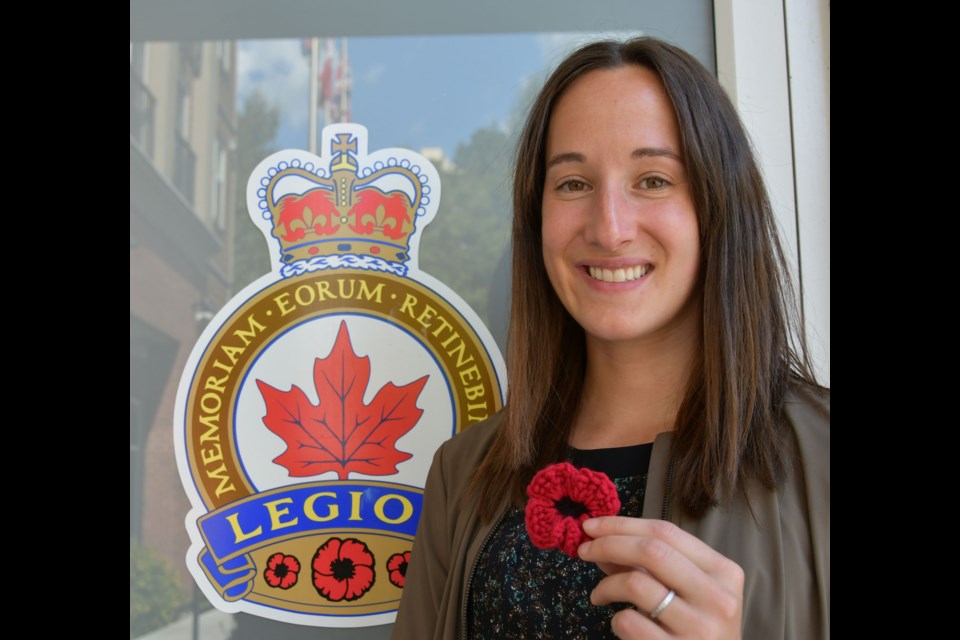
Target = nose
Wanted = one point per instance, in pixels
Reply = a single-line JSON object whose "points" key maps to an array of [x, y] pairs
{"points": [[609, 225]]}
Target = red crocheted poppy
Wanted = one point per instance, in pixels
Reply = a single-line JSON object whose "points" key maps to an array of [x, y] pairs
{"points": [[561, 498]]}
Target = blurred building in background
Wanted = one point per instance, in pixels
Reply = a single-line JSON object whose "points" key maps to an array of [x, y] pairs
{"points": [[183, 133]]}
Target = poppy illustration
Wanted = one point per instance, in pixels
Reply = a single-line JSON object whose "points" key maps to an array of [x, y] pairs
{"points": [[561, 497], [397, 566], [282, 571], [343, 569]]}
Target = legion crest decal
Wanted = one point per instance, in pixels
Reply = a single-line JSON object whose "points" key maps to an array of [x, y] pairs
{"points": [[310, 408]]}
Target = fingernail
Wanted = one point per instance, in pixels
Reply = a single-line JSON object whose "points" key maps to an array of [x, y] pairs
{"points": [[583, 548], [589, 524]]}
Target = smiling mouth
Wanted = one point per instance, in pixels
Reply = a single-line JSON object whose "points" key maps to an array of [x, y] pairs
{"points": [[618, 275]]}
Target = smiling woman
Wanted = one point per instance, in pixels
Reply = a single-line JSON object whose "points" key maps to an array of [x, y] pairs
{"points": [[683, 383], [215, 90]]}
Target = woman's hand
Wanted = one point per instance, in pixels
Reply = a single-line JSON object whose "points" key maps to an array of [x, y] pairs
{"points": [[644, 560]]}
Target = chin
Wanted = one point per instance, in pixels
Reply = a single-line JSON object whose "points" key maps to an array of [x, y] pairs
{"points": [[612, 331]]}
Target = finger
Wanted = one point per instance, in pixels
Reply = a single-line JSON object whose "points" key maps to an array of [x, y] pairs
{"points": [[662, 608], [630, 624], [700, 553], [665, 564], [610, 568], [638, 588]]}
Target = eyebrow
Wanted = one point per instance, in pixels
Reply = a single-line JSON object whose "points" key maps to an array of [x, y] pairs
{"points": [[571, 156], [643, 152]]}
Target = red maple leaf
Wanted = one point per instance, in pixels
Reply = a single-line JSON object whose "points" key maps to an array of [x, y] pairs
{"points": [[340, 433]]}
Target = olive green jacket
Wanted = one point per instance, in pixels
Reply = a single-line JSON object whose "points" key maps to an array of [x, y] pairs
{"points": [[784, 549]]}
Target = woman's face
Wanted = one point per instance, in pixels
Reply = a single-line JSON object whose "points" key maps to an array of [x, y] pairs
{"points": [[620, 234]]}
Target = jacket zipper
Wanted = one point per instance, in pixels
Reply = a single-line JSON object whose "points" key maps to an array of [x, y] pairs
{"points": [[473, 569], [665, 511]]}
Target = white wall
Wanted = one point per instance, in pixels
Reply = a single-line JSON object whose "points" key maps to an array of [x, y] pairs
{"points": [[774, 59]]}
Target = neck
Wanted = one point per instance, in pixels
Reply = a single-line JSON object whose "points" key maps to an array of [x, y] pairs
{"points": [[631, 393]]}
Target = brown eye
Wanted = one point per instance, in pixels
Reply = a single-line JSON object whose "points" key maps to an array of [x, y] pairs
{"points": [[573, 185], [654, 182]]}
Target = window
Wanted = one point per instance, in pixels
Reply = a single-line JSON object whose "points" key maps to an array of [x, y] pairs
{"points": [[184, 159], [138, 58], [224, 51], [141, 100], [418, 76], [218, 191]]}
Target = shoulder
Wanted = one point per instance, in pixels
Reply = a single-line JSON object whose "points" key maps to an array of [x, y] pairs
{"points": [[807, 499], [806, 397], [808, 411]]}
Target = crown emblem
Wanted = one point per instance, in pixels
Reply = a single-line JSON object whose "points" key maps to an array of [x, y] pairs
{"points": [[344, 214]]}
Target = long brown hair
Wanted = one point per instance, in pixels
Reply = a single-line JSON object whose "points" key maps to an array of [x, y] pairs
{"points": [[729, 423]]}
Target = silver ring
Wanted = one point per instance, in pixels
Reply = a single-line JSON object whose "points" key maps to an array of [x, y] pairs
{"points": [[667, 599]]}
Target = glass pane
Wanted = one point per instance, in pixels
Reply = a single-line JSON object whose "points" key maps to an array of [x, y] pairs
{"points": [[207, 107]]}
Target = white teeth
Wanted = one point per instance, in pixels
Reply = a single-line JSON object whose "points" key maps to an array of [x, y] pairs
{"points": [[618, 275]]}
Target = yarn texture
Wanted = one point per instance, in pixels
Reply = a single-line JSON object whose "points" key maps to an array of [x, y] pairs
{"points": [[561, 497]]}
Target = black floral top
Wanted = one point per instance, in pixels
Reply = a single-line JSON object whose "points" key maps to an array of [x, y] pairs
{"points": [[524, 593]]}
